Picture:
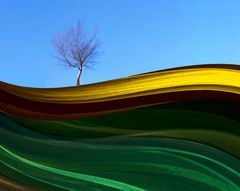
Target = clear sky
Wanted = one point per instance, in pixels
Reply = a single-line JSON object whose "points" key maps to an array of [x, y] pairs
{"points": [[137, 36]]}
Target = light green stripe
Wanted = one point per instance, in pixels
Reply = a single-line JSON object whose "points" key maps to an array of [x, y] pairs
{"points": [[89, 178]]}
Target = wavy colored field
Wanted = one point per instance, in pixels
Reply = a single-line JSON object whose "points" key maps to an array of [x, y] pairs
{"points": [[176, 129]]}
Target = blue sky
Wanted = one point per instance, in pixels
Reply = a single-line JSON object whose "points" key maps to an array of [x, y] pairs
{"points": [[137, 36]]}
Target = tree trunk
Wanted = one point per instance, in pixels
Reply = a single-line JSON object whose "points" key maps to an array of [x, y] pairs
{"points": [[79, 76]]}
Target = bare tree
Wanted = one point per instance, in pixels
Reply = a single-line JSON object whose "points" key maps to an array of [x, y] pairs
{"points": [[76, 49]]}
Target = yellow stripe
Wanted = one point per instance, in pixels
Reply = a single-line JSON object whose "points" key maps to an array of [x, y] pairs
{"points": [[220, 79]]}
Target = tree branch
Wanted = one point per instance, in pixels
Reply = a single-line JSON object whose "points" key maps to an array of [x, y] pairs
{"points": [[75, 48]]}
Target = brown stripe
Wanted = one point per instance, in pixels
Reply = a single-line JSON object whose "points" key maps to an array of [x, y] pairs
{"points": [[10, 185], [14, 105]]}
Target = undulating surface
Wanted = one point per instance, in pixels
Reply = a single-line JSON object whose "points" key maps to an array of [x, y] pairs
{"points": [[176, 129]]}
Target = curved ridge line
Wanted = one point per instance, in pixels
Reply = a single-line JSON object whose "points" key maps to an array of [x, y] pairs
{"points": [[125, 87]]}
